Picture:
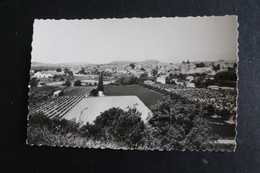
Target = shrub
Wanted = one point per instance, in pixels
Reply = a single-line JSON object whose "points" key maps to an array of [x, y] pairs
{"points": [[124, 127], [67, 83], [179, 127], [224, 113], [58, 69], [77, 83], [210, 110], [94, 92]]}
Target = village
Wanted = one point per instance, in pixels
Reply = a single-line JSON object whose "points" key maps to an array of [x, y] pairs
{"points": [[156, 71]]}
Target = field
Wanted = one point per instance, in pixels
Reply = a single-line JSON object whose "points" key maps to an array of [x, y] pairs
{"points": [[148, 97]]}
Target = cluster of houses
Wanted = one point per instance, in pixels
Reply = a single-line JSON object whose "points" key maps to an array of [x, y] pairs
{"points": [[163, 70]]}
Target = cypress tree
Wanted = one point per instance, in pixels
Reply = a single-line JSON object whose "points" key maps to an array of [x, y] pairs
{"points": [[100, 83]]}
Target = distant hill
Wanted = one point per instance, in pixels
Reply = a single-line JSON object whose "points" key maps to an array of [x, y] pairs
{"points": [[68, 64], [121, 62]]}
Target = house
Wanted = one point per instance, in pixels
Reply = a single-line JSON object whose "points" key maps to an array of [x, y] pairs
{"points": [[214, 87], [148, 82], [190, 85], [42, 75], [189, 78], [161, 79], [57, 93]]}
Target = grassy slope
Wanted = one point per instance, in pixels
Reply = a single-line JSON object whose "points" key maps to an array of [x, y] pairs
{"points": [[148, 97]]}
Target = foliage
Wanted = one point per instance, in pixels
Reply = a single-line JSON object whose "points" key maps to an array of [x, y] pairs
{"points": [[154, 72], [67, 83], [132, 65], [121, 126], [126, 80], [94, 92], [82, 71], [200, 65], [210, 110], [58, 69], [66, 70], [100, 83], [77, 83], [113, 127], [216, 68], [179, 127], [34, 82], [224, 113], [226, 78]]}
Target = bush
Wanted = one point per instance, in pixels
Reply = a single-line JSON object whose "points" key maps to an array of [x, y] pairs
{"points": [[67, 83], [224, 113], [77, 83], [179, 127], [58, 69], [127, 80], [117, 125], [210, 110], [94, 92]]}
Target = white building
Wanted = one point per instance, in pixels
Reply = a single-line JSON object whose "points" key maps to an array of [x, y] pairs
{"points": [[190, 85], [56, 93], [189, 78], [148, 82], [42, 75], [161, 79]]}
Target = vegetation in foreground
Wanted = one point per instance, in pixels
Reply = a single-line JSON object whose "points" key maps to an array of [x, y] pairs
{"points": [[168, 128]]}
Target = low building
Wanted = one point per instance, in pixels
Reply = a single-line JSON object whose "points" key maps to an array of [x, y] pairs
{"points": [[57, 93], [214, 87], [189, 78], [190, 85], [149, 82], [42, 75], [161, 79]]}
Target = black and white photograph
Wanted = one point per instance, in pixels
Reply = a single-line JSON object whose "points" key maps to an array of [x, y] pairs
{"points": [[134, 83]]}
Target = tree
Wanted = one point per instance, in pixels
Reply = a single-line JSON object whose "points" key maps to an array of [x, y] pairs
{"points": [[77, 83], [82, 71], [34, 82], [100, 83], [66, 70], [202, 64], [70, 73], [216, 68], [124, 127], [154, 72], [67, 83], [132, 65], [235, 65], [58, 69], [94, 92], [181, 126]]}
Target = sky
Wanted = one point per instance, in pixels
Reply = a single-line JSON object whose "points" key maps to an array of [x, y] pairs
{"points": [[169, 40]]}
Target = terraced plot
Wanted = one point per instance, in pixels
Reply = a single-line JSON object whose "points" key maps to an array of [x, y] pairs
{"points": [[58, 107]]}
